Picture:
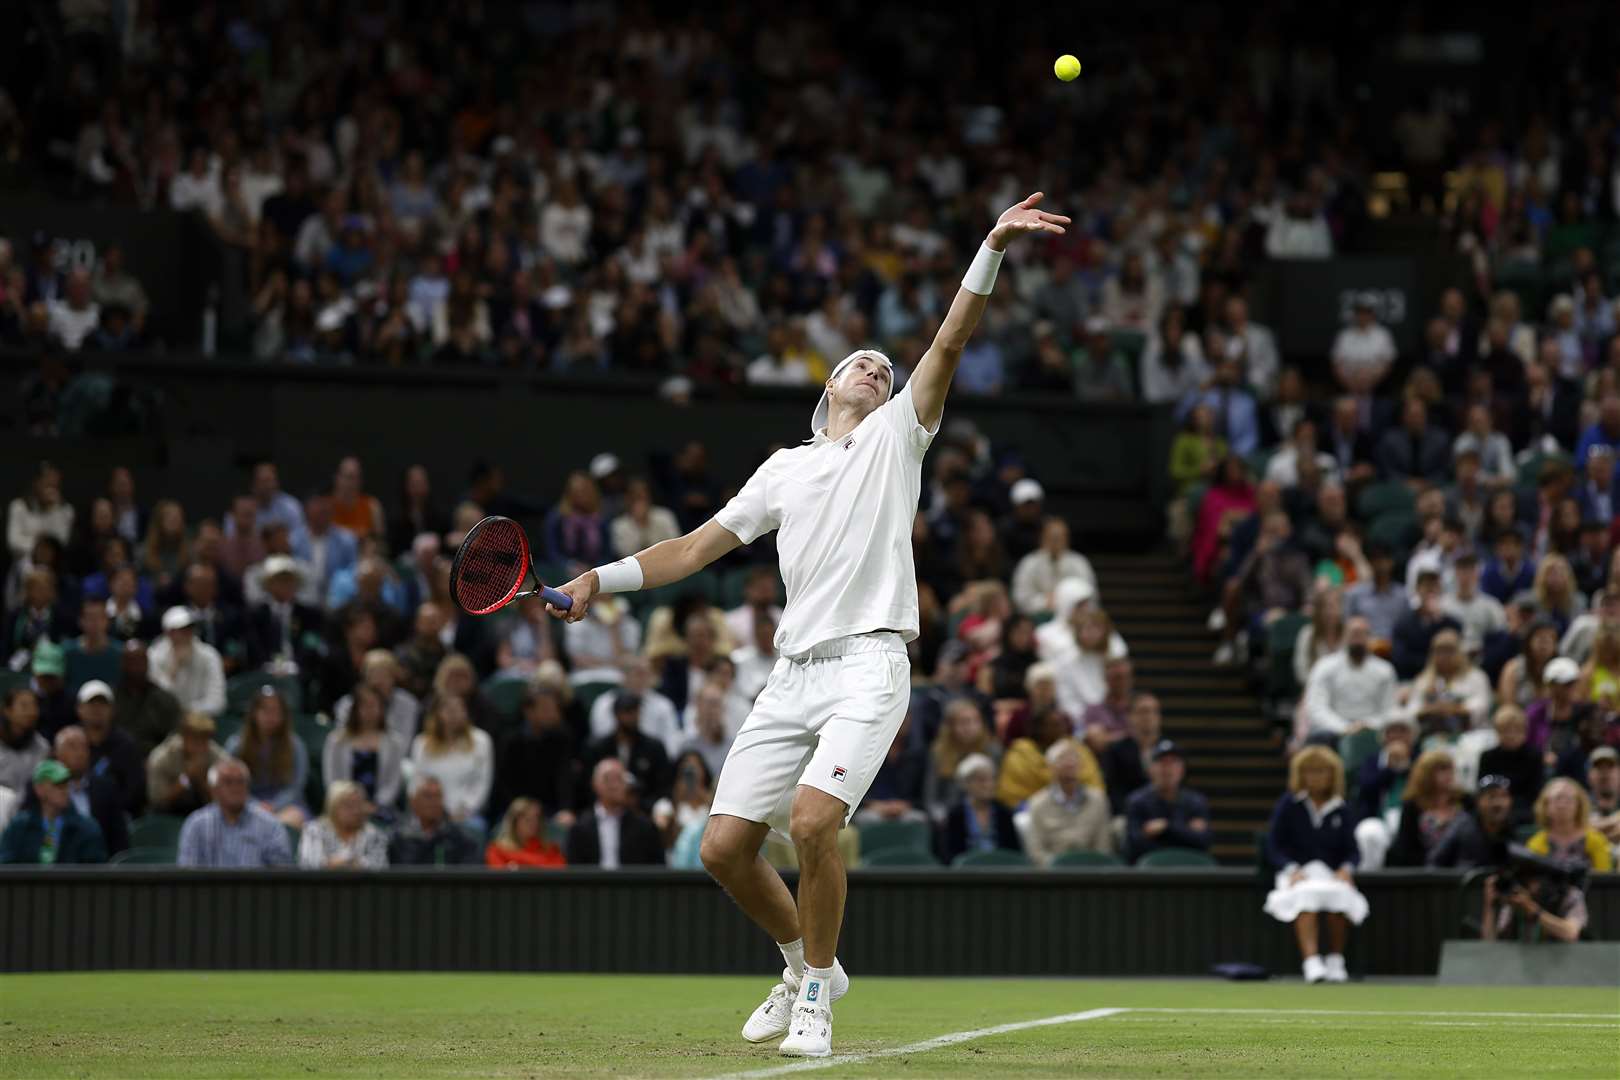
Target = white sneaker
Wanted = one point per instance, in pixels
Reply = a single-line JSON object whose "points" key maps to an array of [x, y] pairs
{"points": [[1333, 968], [1225, 655], [1216, 621], [771, 1019], [1315, 969], [810, 1024]]}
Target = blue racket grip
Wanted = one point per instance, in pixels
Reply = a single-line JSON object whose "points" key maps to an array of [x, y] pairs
{"points": [[556, 599]]}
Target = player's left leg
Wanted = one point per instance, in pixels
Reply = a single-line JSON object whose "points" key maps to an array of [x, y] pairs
{"points": [[1333, 964]]}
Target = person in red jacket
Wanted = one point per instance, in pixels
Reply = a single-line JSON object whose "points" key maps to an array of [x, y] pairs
{"points": [[521, 841]]}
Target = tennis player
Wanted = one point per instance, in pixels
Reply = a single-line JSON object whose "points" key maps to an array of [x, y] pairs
{"points": [[843, 505]]}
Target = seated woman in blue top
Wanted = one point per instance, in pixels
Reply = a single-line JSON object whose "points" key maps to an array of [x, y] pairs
{"points": [[1312, 844], [275, 756], [977, 822]]}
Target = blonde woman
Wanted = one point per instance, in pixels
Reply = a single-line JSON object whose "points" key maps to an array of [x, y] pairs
{"points": [[343, 838], [1450, 695], [362, 750], [1564, 813], [1311, 845], [165, 549], [1323, 635], [1081, 679], [1430, 810], [455, 677], [521, 840], [1556, 594], [1600, 677], [458, 755], [961, 732]]}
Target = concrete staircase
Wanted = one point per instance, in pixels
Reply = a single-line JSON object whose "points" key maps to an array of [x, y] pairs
{"points": [[1234, 757]]}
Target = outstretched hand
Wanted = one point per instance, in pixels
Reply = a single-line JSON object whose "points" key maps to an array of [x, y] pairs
{"points": [[1025, 218]]}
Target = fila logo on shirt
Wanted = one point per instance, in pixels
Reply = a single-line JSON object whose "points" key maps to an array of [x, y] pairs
{"points": [[849, 442], [839, 773]]}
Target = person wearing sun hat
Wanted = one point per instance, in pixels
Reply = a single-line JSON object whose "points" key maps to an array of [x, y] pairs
{"points": [[52, 830]]}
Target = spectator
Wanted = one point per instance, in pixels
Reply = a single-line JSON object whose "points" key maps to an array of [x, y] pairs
{"points": [[93, 654], [419, 658], [1483, 834], [39, 619], [459, 755], [1381, 601], [1597, 491], [189, 669], [1603, 784], [642, 524], [330, 547], [280, 630], [1605, 431], [21, 745], [526, 640], [684, 676], [232, 830], [1525, 678], [1066, 815], [277, 760], [613, 833], [1564, 814], [975, 821], [709, 738], [144, 710], [1492, 448], [351, 508], [1036, 578], [1310, 845], [364, 751], [94, 793], [1430, 810], [1362, 353], [1418, 627], [753, 662], [1509, 573], [1013, 659], [178, 769], [42, 512], [1600, 675], [342, 838], [1024, 769], [127, 619], [1381, 783], [1414, 453], [1164, 814], [520, 842], [1298, 229], [656, 715], [1443, 542], [1514, 760], [1284, 467], [1556, 717], [540, 761], [166, 549], [1173, 361], [1478, 613], [962, 733], [682, 817], [113, 286], [1349, 441], [575, 532], [1107, 721], [417, 514], [1273, 580], [72, 319], [1254, 346], [1021, 531], [1555, 591], [758, 599], [52, 830], [1135, 299], [112, 752], [1125, 761], [1349, 690], [896, 793], [1082, 671], [427, 837], [1323, 635], [1100, 370], [1237, 417]]}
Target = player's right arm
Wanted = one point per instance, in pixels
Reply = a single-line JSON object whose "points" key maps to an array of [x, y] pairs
{"points": [[665, 562]]}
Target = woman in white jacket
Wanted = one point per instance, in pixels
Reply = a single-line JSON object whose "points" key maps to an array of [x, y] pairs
{"points": [[460, 756]]}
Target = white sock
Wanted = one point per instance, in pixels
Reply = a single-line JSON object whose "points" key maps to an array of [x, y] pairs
{"points": [[817, 981], [793, 953]]}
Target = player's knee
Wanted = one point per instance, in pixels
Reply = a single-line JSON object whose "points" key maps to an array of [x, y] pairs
{"points": [[722, 857], [815, 822]]}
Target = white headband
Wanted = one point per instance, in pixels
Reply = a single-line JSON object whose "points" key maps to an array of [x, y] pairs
{"points": [[818, 419]]}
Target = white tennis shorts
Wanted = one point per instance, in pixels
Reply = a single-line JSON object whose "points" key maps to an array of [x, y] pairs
{"points": [[825, 719]]}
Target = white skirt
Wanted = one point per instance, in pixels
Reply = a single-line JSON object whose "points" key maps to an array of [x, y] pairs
{"points": [[1319, 890]]}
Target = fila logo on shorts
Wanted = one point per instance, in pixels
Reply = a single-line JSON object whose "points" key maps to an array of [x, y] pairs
{"points": [[839, 773]]}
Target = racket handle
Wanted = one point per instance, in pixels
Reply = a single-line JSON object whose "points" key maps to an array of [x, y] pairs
{"points": [[556, 599]]}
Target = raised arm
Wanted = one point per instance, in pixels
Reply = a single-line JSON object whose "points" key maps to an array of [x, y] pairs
{"points": [[932, 379], [665, 562]]}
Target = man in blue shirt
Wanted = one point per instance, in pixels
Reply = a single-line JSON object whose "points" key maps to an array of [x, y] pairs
{"points": [[272, 506], [1164, 814], [1606, 432], [1236, 417], [52, 830], [231, 831], [1509, 573]]}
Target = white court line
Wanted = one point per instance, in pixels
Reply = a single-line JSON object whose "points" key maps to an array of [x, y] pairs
{"points": [[936, 1043], [928, 1044]]}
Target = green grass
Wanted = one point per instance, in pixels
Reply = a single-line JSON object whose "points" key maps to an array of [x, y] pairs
{"points": [[421, 1025]]}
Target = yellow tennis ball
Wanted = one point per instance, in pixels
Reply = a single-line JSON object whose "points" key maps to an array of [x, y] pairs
{"points": [[1067, 68]]}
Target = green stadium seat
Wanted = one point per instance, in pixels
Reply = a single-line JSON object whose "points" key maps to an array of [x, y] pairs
{"points": [[1355, 749], [556, 831], [10, 679], [313, 734], [507, 696], [899, 856], [987, 860], [1280, 638], [1376, 500], [145, 856], [1176, 858], [586, 693], [1530, 468], [155, 831], [228, 723], [732, 584], [1071, 859], [1394, 528], [1523, 833], [881, 835], [241, 689]]}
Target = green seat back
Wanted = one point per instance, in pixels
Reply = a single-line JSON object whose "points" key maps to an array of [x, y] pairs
{"points": [[999, 857], [1280, 638], [898, 856], [241, 689], [1378, 499], [146, 856], [156, 831], [586, 693], [1530, 468], [313, 734], [1393, 528], [880, 835], [1356, 749], [506, 695], [1086, 858], [1176, 857]]}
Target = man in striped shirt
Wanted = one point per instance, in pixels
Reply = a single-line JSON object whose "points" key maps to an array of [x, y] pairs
{"points": [[231, 831]]}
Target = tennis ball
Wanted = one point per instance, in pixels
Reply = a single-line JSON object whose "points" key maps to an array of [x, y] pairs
{"points": [[1067, 68]]}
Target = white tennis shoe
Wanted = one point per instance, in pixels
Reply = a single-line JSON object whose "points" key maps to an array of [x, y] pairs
{"points": [[773, 1017], [810, 1022]]}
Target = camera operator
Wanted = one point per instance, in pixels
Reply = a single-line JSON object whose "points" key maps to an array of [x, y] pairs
{"points": [[1480, 837], [1544, 895]]}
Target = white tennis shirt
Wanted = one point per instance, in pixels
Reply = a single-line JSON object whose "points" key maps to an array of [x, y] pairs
{"points": [[844, 512]]}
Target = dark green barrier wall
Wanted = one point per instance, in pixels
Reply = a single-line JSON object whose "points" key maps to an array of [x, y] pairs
{"points": [[898, 922]]}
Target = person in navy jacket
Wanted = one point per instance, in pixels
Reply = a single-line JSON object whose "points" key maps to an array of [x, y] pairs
{"points": [[1311, 842]]}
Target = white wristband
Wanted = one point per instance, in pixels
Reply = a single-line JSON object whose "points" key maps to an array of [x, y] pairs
{"points": [[981, 276], [621, 576]]}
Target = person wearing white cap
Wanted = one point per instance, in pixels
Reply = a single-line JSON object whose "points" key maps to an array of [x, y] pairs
{"points": [[843, 506], [1020, 531], [277, 628], [189, 669], [1035, 579]]}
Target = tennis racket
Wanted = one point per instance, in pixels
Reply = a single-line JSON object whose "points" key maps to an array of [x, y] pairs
{"points": [[491, 565]]}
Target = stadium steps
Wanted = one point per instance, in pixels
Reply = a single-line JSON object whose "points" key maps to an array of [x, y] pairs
{"points": [[1233, 755]]}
